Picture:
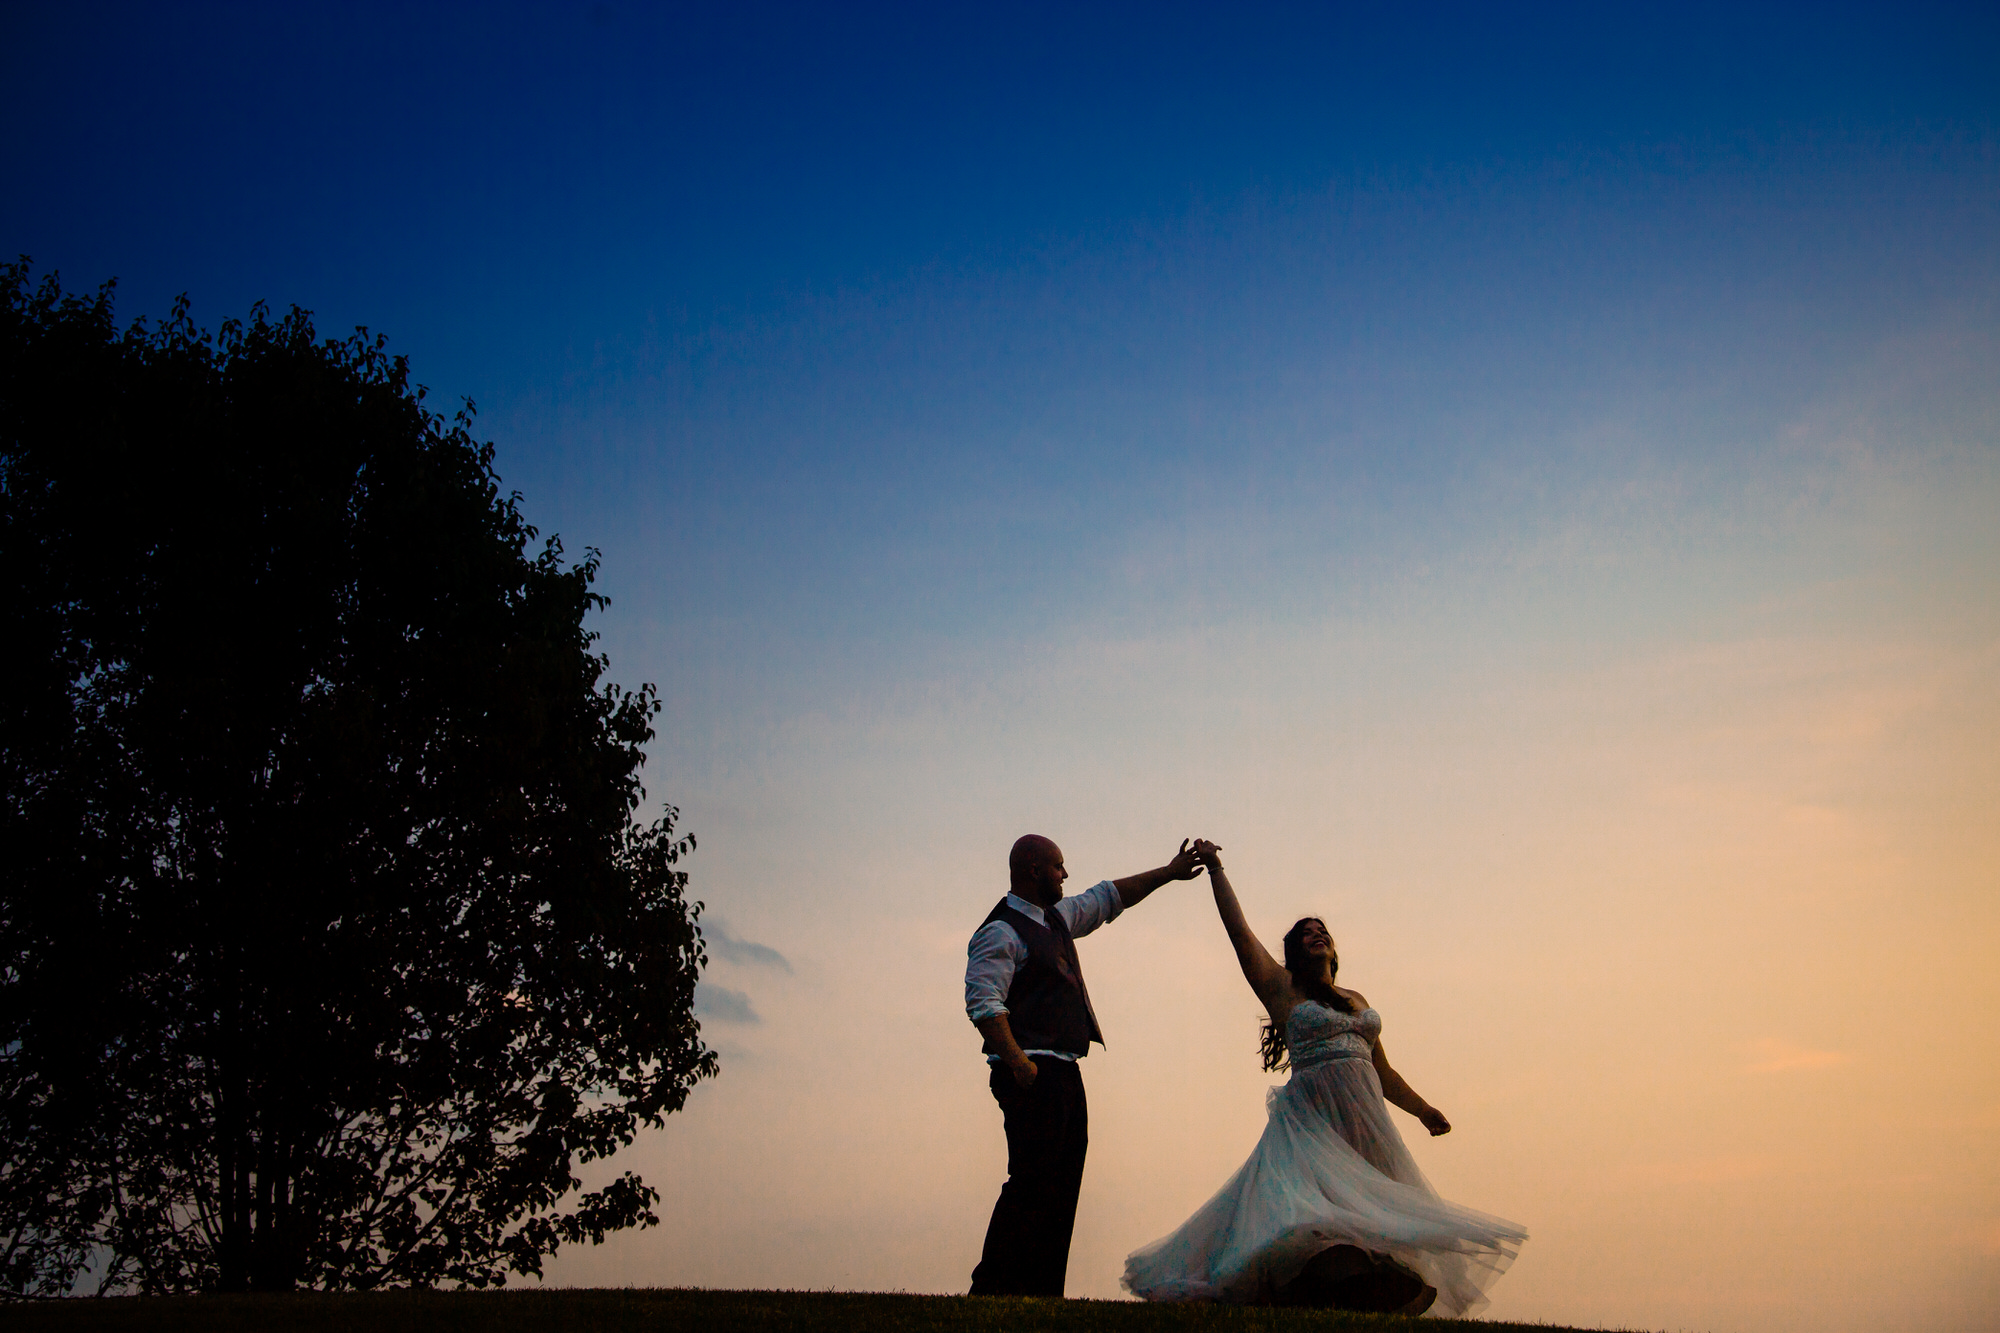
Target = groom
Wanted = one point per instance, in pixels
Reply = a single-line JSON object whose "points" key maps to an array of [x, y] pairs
{"points": [[1024, 991]]}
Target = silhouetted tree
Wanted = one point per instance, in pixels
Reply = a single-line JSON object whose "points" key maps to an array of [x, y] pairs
{"points": [[329, 946]]}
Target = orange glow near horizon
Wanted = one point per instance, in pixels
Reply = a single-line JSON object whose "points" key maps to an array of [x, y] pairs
{"points": [[1692, 935]]}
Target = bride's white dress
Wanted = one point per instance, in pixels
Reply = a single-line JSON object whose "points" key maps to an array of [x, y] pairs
{"points": [[1330, 1170]]}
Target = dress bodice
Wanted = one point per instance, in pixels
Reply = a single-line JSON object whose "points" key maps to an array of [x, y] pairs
{"points": [[1316, 1035]]}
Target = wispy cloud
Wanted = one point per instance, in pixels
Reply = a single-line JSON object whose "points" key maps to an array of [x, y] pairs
{"points": [[1769, 1055], [723, 945], [724, 1005]]}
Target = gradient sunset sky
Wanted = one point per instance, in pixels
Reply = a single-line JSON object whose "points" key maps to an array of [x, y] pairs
{"points": [[1527, 485]]}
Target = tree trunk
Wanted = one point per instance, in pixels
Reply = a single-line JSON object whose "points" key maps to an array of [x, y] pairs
{"points": [[233, 1134], [275, 1267], [232, 1257]]}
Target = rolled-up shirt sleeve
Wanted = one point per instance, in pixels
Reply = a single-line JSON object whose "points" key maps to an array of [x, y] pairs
{"points": [[1086, 911], [990, 962]]}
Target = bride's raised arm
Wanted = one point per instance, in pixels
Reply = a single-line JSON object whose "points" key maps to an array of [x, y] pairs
{"points": [[1266, 975]]}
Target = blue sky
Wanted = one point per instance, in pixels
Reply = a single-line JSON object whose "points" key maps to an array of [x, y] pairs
{"points": [[814, 297], [1526, 483]]}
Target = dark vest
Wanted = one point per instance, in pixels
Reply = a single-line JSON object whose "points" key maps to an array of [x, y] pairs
{"points": [[1047, 1007]]}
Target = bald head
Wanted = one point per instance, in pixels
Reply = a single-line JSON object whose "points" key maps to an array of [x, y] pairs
{"points": [[1035, 870]]}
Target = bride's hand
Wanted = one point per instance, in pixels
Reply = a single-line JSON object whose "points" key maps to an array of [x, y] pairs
{"points": [[1208, 853], [1434, 1121]]}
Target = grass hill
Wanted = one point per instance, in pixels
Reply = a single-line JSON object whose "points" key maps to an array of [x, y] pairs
{"points": [[576, 1310]]}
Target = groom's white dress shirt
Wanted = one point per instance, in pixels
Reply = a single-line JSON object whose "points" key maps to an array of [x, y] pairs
{"points": [[996, 950]]}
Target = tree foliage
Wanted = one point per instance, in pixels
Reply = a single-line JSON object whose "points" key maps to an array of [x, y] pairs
{"points": [[330, 948]]}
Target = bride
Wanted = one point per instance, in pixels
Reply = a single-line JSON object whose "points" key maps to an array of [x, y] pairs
{"points": [[1331, 1208]]}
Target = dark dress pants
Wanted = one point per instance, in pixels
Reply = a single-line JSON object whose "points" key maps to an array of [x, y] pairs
{"points": [[1048, 1130]]}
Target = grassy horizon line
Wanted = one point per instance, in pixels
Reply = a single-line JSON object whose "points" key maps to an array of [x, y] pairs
{"points": [[689, 1310]]}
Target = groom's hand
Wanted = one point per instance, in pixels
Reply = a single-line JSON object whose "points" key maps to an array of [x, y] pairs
{"points": [[1133, 888], [1186, 863], [1024, 1071]]}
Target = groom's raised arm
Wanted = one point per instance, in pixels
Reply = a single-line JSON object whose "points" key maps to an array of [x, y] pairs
{"points": [[1133, 888]]}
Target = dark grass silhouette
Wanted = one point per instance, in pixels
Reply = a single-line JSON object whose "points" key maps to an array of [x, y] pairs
{"points": [[682, 1311]]}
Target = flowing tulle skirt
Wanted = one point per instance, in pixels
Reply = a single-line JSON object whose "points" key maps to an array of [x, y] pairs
{"points": [[1330, 1170]]}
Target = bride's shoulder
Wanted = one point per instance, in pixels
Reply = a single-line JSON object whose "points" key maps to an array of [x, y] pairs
{"points": [[1282, 1001], [1354, 997]]}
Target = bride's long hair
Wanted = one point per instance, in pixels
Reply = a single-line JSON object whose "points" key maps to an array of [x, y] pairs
{"points": [[1276, 1057]]}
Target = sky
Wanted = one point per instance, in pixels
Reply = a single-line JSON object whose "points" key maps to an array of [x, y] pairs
{"points": [[1527, 485]]}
